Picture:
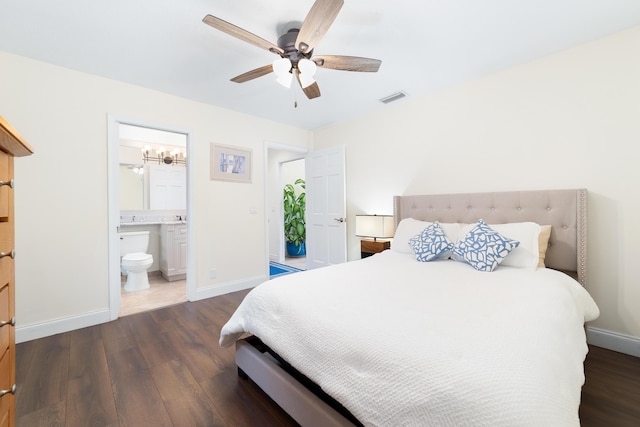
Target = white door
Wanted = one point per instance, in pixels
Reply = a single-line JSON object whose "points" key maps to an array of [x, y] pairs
{"points": [[326, 210], [167, 187]]}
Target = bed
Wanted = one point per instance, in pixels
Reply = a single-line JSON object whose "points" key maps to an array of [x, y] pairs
{"points": [[390, 340]]}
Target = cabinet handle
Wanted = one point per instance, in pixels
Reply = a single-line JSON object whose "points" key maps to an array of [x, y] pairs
{"points": [[11, 254], [11, 322], [9, 183], [12, 390]]}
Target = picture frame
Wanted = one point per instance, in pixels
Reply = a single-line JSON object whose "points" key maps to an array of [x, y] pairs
{"points": [[229, 163]]}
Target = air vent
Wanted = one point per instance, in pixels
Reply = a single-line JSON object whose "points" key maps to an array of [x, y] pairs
{"points": [[393, 97]]}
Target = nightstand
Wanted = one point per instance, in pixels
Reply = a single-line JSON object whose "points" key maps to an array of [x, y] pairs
{"points": [[370, 247]]}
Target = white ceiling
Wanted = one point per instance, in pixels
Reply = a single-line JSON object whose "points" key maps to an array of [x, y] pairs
{"points": [[424, 46]]}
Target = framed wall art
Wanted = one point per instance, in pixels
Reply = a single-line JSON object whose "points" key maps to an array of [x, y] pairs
{"points": [[230, 163]]}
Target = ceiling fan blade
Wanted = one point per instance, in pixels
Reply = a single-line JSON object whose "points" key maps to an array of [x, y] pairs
{"points": [[347, 63], [241, 34], [253, 74], [316, 24], [311, 91]]}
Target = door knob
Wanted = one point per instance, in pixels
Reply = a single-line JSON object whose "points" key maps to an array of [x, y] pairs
{"points": [[12, 390], [11, 322], [340, 219]]}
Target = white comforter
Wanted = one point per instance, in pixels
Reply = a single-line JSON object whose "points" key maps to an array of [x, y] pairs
{"points": [[404, 343]]}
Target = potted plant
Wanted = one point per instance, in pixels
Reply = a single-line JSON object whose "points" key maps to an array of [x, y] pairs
{"points": [[295, 231]]}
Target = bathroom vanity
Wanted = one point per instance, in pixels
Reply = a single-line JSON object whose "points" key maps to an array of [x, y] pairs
{"points": [[11, 145], [173, 251]]}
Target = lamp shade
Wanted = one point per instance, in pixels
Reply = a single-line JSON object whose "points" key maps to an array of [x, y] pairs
{"points": [[376, 226]]}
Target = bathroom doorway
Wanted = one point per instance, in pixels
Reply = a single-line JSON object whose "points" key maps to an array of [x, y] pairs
{"points": [[149, 192]]}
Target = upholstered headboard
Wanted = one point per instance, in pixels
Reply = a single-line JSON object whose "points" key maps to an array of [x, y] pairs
{"points": [[564, 210]]}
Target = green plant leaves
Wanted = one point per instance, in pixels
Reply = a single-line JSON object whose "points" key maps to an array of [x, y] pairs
{"points": [[294, 212]]}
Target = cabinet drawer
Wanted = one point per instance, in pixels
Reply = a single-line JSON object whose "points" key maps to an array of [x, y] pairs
{"points": [[5, 316], [6, 231], [5, 408], [6, 173], [6, 383]]}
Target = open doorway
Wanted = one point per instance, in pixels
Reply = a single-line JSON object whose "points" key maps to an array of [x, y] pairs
{"points": [[149, 202], [292, 174], [284, 164]]}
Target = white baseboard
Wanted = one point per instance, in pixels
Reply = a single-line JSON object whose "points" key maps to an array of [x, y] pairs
{"points": [[614, 341], [58, 326], [225, 288]]}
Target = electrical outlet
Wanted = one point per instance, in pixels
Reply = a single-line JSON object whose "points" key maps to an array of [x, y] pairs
{"points": [[213, 273]]}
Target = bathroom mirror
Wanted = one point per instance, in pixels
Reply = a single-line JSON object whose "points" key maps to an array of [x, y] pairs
{"points": [[132, 194], [152, 169]]}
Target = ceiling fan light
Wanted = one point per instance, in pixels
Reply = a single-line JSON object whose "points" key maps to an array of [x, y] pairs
{"points": [[285, 80], [306, 66], [281, 66], [307, 69]]}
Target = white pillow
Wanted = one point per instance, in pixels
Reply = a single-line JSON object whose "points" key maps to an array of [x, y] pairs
{"points": [[526, 255], [410, 227]]}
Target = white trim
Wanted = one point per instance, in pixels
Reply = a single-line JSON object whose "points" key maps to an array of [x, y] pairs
{"points": [[67, 324], [228, 287], [58, 326], [114, 214], [621, 343]]}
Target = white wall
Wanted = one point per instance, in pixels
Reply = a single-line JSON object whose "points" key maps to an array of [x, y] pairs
{"points": [[569, 120], [61, 196]]}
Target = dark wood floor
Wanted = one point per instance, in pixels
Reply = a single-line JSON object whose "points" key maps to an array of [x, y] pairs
{"points": [[165, 368]]}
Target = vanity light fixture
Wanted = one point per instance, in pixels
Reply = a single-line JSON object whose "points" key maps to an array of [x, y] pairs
{"points": [[163, 156]]}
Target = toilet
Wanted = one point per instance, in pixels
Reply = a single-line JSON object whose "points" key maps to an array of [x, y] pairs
{"points": [[135, 261]]}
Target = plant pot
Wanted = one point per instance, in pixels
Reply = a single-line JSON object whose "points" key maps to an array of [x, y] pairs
{"points": [[294, 250]]}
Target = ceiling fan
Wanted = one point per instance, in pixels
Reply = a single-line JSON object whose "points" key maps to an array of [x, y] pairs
{"points": [[295, 49]]}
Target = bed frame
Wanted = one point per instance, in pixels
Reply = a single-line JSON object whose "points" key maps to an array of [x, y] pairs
{"points": [[564, 210]]}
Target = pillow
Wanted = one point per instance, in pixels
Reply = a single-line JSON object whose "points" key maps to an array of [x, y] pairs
{"points": [[483, 248], [526, 255], [409, 227], [430, 243], [543, 244]]}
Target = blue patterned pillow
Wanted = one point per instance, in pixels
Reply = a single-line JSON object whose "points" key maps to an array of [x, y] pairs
{"points": [[484, 248], [430, 243]]}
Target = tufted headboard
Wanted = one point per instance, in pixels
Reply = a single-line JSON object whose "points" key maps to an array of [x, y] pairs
{"points": [[564, 210]]}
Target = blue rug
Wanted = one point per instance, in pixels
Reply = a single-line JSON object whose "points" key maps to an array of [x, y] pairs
{"points": [[276, 269]]}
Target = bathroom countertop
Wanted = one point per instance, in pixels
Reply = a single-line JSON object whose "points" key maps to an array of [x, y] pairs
{"points": [[124, 224]]}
